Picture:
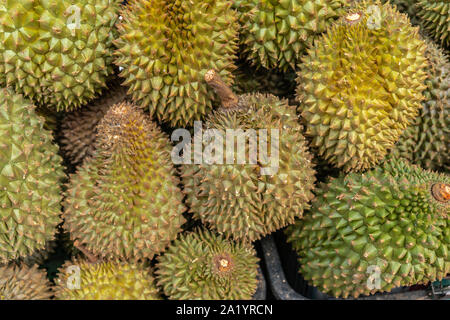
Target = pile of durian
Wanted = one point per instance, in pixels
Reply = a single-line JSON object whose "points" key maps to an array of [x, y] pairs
{"points": [[92, 90]]}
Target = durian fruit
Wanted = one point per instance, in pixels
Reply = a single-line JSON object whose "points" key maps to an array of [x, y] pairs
{"points": [[361, 85], [248, 79], [371, 232], [79, 128], [427, 141], [124, 201], [108, 280], [164, 50], [58, 53], [201, 265], [24, 283], [275, 33], [434, 16], [251, 197], [30, 179]]}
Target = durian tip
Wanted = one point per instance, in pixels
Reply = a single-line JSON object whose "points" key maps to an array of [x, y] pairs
{"points": [[223, 263]]}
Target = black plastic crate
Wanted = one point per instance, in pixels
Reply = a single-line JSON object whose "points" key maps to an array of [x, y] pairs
{"points": [[285, 282]]}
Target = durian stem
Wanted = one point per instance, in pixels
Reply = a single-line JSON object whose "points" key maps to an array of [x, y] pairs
{"points": [[226, 95], [90, 256]]}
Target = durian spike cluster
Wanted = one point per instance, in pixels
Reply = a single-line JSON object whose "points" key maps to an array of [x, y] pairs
{"points": [[367, 82], [239, 199], [434, 15], [406, 6], [361, 85], [165, 48], [57, 53], [392, 220], [124, 201], [24, 283], [79, 127], [108, 280], [427, 140], [31, 173], [275, 34], [203, 265]]}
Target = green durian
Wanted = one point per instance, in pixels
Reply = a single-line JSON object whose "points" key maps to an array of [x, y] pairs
{"points": [[109, 280], [275, 33], [124, 201], [204, 266], [434, 16], [57, 53], [427, 140], [164, 50], [30, 179], [79, 127], [24, 283], [371, 232], [361, 85], [239, 199]]}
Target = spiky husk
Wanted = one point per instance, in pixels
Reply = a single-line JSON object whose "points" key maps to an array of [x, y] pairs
{"points": [[79, 128], [427, 141], [165, 47], [109, 280], [275, 34], [387, 224], [406, 6], [124, 201], [237, 199], [30, 179], [50, 57], [204, 266], [434, 16], [361, 85], [39, 256], [24, 283]]}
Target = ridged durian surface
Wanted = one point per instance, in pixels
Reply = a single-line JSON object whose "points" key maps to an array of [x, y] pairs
{"points": [[275, 33], [30, 179], [434, 15], [79, 128], [109, 280], [235, 198], [165, 48], [388, 225], [406, 6], [361, 85], [24, 283], [58, 53], [203, 265], [427, 140], [124, 201]]}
